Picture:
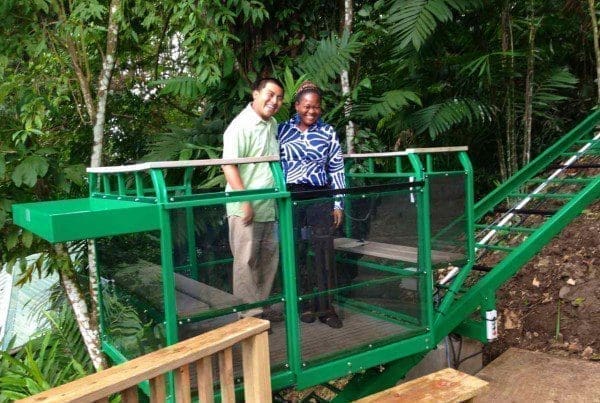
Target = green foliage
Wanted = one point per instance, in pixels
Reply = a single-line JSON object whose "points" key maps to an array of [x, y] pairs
{"points": [[390, 102], [331, 56], [126, 330], [414, 21], [29, 170], [55, 357], [439, 118], [547, 94]]}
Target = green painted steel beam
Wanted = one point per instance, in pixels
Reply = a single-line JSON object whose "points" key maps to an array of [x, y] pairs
{"points": [[543, 160], [494, 247], [560, 180], [473, 329], [74, 219], [480, 292], [377, 379], [367, 358]]}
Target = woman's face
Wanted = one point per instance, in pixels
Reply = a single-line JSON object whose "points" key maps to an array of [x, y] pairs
{"points": [[308, 108]]}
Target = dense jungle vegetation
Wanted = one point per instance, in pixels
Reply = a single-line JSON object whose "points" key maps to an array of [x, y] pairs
{"points": [[106, 82]]}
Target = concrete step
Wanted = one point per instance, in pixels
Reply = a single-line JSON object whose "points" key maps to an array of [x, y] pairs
{"points": [[529, 376]]}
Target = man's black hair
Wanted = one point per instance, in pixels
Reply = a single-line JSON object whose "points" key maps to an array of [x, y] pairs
{"points": [[260, 83]]}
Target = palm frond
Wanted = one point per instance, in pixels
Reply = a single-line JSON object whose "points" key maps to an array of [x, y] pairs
{"points": [[183, 144], [389, 103], [547, 94], [186, 87], [415, 20], [439, 118], [330, 58], [55, 357]]}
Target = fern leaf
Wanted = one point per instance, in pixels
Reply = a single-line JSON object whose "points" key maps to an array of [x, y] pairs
{"points": [[331, 57], [415, 20], [390, 102], [439, 118]]}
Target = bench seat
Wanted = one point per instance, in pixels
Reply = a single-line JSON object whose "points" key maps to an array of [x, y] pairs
{"points": [[192, 297], [391, 251]]}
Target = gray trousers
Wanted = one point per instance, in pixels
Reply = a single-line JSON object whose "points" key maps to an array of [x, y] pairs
{"points": [[255, 259]]}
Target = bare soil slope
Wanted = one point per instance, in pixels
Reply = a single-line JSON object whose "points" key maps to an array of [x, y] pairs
{"points": [[553, 303]]}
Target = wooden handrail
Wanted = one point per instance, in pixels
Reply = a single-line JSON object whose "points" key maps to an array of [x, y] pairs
{"points": [[124, 378]]}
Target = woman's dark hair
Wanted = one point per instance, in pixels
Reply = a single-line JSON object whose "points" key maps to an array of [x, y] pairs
{"points": [[306, 87]]}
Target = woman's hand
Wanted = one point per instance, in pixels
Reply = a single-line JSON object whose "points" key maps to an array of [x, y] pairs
{"points": [[338, 217]]}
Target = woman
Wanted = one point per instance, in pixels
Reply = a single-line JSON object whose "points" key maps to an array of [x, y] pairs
{"points": [[311, 158]]}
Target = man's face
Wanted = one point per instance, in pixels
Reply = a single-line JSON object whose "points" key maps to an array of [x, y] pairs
{"points": [[268, 100]]}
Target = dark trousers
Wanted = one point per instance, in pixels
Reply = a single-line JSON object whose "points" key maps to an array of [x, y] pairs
{"points": [[313, 231]]}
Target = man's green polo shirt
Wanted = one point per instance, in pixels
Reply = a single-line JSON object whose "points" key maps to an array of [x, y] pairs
{"points": [[249, 136]]}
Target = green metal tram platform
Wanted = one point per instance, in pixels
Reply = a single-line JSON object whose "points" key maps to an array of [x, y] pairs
{"points": [[409, 258]]}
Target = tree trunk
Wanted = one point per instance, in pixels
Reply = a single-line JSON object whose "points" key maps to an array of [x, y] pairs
{"points": [[592, 6], [345, 79], [89, 332], [97, 115], [528, 115], [108, 65], [508, 152]]}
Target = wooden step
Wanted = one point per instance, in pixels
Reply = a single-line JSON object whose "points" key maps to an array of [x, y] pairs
{"points": [[446, 385], [391, 251]]}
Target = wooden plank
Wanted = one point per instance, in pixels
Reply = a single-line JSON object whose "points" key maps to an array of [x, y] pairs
{"points": [[257, 371], [158, 390], [192, 297], [532, 376], [183, 393], [446, 385], [211, 296], [187, 305], [180, 164], [120, 377], [226, 375], [204, 377], [391, 251], [430, 150], [130, 395], [376, 155]]}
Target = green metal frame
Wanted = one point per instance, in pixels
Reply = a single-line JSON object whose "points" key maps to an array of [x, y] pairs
{"points": [[147, 196], [137, 201]]}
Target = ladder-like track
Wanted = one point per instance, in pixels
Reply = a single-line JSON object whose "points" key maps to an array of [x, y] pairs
{"points": [[511, 224]]}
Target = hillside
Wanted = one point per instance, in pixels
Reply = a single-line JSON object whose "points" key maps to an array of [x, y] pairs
{"points": [[553, 303]]}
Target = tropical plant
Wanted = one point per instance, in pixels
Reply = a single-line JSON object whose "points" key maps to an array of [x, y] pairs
{"points": [[53, 358]]}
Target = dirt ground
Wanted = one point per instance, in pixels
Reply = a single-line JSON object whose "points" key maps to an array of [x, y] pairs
{"points": [[553, 303]]}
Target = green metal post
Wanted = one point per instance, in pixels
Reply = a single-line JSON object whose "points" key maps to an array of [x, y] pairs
{"points": [[288, 269], [139, 184], [121, 185], [168, 278], [424, 236], [190, 225], [470, 241], [93, 183]]}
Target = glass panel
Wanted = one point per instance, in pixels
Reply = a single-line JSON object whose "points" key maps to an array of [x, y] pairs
{"points": [[209, 292], [362, 276], [131, 292], [448, 220]]}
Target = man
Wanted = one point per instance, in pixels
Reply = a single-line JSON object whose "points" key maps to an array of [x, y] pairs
{"points": [[252, 133]]}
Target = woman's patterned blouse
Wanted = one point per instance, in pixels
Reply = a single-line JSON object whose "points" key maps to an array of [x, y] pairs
{"points": [[312, 157]]}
